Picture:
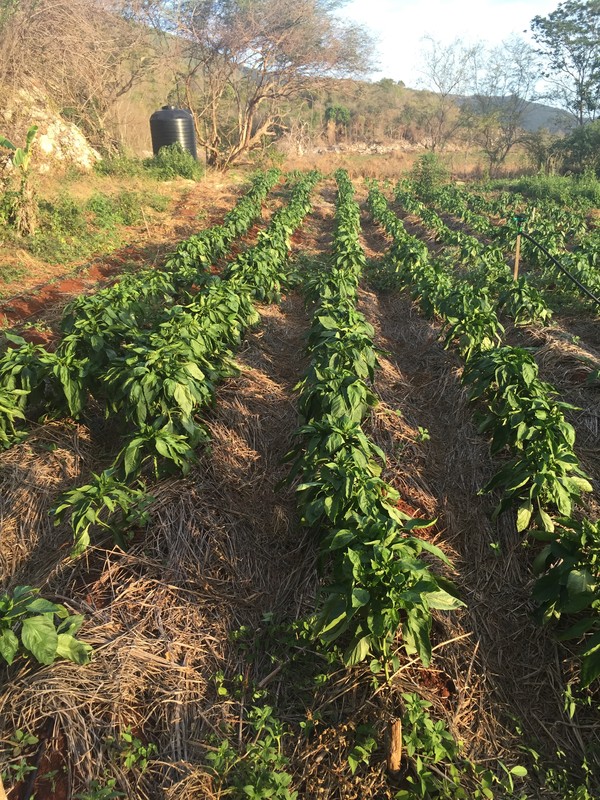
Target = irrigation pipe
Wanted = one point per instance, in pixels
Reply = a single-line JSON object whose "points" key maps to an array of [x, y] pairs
{"points": [[560, 266]]}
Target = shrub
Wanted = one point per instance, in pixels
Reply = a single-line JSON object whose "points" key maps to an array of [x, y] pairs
{"points": [[560, 188], [427, 175], [122, 209], [580, 151], [172, 162], [64, 232]]}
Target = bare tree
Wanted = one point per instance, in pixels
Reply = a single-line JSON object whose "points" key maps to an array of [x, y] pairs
{"points": [[85, 54], [503, 85], [447, 72], [246, 57]]}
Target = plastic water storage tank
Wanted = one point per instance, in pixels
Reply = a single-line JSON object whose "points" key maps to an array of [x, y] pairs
{"points": [[170, 125]]}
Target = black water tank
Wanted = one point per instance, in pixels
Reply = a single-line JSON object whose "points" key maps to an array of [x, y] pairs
{"points": [[170, 125]]}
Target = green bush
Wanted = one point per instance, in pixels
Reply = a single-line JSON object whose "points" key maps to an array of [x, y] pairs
{"points": [[128, 207], [172, 162], [62, 216], [103, 208], [65, 234], [122, 209], [69, 231], [428, 175], [125, 208], [580, 151], [157, 202], [5, 206], [560, 188]]}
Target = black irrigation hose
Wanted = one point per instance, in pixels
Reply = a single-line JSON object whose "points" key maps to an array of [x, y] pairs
{"points": [[560, 266]]}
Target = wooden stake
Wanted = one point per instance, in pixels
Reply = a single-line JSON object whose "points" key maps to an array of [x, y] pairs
{"points": [[2, 792], [395, 747], [517, 257]]}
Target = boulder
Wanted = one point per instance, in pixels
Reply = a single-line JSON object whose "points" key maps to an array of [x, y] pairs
{"points": [[58, 141]]}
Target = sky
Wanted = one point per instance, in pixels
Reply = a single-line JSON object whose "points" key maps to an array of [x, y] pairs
{"points": [[400, 25]]}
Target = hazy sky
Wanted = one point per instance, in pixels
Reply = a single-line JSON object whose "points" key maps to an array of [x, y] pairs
{"points": [[400, 25]]}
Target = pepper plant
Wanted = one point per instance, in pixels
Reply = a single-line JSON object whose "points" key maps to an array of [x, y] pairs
{"points": [[32, 627]]}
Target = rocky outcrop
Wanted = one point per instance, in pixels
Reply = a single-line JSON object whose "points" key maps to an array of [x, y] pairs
{"points": [[62, 141], [57, 141]]}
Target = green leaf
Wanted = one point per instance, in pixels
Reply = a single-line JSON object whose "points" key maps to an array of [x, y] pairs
{"points": [[360, 597], [434, 550], [194, 370], [39, 636], [4, 142], [581, 484], [81, 541], [341, 539], [579, 583], [334, 613], [30, 136], [443, 601], [590, 668], [415, 631], [578, 629], [71, 625], [41, 606], [546, 520], [520, 772], [9, 645], [354, 655], [131, 457], [15, 339], [183, 397], [72, 649], [524, 516]]}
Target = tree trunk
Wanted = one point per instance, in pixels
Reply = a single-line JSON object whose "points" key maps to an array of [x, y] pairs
{"points": [[25, 209]]}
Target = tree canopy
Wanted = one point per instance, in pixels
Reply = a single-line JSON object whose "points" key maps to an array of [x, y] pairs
{"points": [[245, 57], [569, 43]]}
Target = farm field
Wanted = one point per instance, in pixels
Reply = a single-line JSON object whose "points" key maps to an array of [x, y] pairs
{"points": [[297, 498]]}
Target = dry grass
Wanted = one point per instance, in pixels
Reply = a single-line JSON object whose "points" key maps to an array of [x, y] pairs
{"points": [[460, 164], [32, 475]]}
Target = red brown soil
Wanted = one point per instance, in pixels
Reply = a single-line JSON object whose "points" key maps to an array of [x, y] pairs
{"points": [[148, 245], [24, 307]]}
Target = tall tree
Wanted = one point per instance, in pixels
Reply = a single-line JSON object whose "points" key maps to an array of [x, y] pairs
{"points": [[246, 57], [569, 42]]}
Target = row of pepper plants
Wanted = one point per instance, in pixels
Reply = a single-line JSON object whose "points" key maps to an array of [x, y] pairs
{"points": [[378, 580], [485, 261], [542, 476], [161, 378], [94, 326], [157, 394]]}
